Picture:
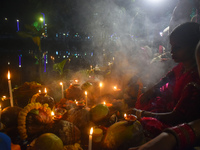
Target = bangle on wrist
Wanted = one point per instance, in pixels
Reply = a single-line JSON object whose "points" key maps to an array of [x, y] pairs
{"points": [[184, 134], [139, 113]]}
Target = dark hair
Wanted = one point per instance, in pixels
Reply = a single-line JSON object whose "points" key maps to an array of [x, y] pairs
{"points": [[187, 33]]}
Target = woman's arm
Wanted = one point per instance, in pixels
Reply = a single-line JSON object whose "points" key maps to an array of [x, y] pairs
{"points": [[171, 118], [181, 137], [164, 141]]}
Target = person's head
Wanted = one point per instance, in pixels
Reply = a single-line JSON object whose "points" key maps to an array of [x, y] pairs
{"points": [[183, 40]]}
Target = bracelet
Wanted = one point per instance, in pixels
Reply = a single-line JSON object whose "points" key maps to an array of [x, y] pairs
{"points": [[139, 113], [191, 137], [184, 134]]}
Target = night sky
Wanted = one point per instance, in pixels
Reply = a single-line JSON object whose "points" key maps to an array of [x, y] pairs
{"points": [[56, 11]]}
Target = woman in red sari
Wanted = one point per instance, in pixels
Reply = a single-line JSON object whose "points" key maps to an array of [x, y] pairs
{"points": [[183, 136], [180, 100]]}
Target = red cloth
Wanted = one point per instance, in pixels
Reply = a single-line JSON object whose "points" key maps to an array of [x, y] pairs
{"points": [[152, 127], [172, 91], [182, 95]]}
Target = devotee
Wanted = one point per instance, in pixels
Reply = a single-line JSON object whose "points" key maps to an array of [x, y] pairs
{"points": [[179, 101], [182, 136]]}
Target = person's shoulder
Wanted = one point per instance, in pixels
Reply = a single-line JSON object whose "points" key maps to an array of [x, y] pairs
{"points": [[179, 66]]}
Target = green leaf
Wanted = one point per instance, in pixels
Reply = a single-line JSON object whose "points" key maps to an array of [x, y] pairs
{"points": [[59, 66]]}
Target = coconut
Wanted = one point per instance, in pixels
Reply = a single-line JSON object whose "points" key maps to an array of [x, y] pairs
{"points": [[43, 98], [67, 132], [79, 117], [48, 141], [73, 92], [99, 112], [9, 116], [122, 135]]}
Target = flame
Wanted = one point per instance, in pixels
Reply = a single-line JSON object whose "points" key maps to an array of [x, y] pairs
{"points": [[100, 84], [45, 90], [61, 83], [104, 103], [76, 81], [52, 113], [125, 115], [8, 75], [115, 87], [86, 93], [91, 131], [39, 91]]}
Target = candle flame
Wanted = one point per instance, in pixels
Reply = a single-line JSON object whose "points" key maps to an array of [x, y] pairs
{"points": [[76, 102], [52, 113], [3, 98], [45, 90], [104, 103], [61, 83], [8, 75], [39, 91], [76, 81], [0, 106], [124, 115], [114, 87], [100, 84], [91, 131], [86, 93]]}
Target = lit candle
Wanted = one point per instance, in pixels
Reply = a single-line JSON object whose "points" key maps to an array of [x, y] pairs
{"points": [[125, 116], [100, 85], [86, 101], [45, 90], [115, 88], [130, 117], [90, 139], [10, 89], [52, 114], [104, 103], [39, 91], [3, 98], [62, 89]]}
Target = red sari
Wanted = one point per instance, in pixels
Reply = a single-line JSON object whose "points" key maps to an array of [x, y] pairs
{"points": [[181, 93], [172, 91]]}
